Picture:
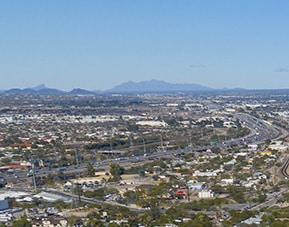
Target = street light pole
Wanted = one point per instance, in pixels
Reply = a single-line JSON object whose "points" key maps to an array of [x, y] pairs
{"points": [[34, 181]]}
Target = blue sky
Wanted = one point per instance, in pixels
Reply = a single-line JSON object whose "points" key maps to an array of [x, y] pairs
{"points": [[98, 44]]}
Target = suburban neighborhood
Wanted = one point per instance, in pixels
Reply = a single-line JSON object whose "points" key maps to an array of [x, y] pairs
{"points": [[205, 159]]}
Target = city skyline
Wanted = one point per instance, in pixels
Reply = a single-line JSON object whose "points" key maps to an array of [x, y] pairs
{"points": [[97, 45]]}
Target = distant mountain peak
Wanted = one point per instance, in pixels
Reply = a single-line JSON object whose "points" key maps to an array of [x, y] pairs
{"points": [[39, 87], [80, 91]]}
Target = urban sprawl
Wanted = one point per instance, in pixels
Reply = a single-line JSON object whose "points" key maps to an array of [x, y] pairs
{"points": [[178, 159]]}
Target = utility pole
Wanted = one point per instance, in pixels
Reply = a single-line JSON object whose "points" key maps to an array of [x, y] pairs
{"points": [[34, 181], [131, 146], [188, 192], [79, 198], [77, 185], [33, 175], [190, 142], [76, 158], [144, 146], [111, 152], [162, 144]]}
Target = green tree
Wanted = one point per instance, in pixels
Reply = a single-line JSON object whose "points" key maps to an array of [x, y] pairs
{"points": [[158, 191], [72, 220], [94, 220], [201, 220], [113, 225], [98, 193], [22, 222], [90, 170], [130, 196], [154, 208], [237, 193], [116, 171]]}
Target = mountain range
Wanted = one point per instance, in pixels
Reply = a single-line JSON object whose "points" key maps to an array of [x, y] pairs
{"points": [[156, 86], [152, 86]]}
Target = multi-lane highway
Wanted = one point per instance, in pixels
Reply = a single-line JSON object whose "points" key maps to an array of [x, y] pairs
{"points": [[259, 132]]}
